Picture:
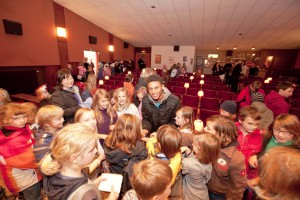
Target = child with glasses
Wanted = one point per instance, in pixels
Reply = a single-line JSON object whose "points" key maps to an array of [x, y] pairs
{"points": [[18, 167]]}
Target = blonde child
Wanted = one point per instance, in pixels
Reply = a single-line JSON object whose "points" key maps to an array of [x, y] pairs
{"points": [[185, 120], [4, 97], [123, 104], [50, 119], [90, 86], [151, 180], [197, 167], [123, 147], [73, 148], [19, 171], [228, 176], [105, 114], [166, 146], [87, 116], [31, 111]]}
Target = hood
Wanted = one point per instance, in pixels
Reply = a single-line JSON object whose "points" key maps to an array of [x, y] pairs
{"points": [[261, 107], [166, 94], [274, 97], [58, 187]]}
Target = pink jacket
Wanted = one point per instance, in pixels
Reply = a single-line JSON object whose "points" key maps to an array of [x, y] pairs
{"points": [[250, 145], [244, 97]]}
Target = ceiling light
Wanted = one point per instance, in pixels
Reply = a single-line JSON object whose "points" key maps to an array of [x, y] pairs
{"points": [[253, 48], [152, 6], [234, 47]]}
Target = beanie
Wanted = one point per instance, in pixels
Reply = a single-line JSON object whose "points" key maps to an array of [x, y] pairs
{"points": [[257, 96], [229, 106]]}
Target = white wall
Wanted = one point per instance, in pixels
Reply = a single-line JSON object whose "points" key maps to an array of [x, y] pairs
{"points": [[169, 56]]}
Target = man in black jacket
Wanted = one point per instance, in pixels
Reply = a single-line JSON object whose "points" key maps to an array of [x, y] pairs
{"points": [[159, 107]]}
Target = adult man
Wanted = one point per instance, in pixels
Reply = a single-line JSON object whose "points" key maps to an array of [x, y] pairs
{"points": [[159, 107]]}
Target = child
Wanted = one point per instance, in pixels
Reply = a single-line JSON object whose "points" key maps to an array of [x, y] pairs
{"points": [[151, 180], [279, 174], [50, 119], [244, 97], [185, 120], [140, 94], [228, 175], [228, 109], [285, 131], [128, 85], [87, 116], [73, 147], [4, 97], [123, 104], [196, 169], [105, 115], [276, 102], [167, 147], [123, 148], [90, 86], [31, 111], [43, 94], [250, 138], [19, 171]]}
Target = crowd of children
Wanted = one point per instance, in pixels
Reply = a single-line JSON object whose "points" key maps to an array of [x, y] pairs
{"points": [[59, 151]]}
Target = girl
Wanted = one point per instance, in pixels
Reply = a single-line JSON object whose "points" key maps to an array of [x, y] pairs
{"points": [[18, 168], [167, 147], [105, 115], [197, 168], [129, 86], [185, 120], [90, 86], [73, 147], [140, 94], [228, 176], [4, 97], [49, 119], [87, 116], [122, 103], [123, 147], [285, 131]]}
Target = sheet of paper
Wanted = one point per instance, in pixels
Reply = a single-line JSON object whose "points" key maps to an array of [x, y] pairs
{"points": [[111, 179]]}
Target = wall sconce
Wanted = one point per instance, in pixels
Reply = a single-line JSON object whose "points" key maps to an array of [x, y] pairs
{"points": [[101, 82], [270, 78], [192, 78], [201, 82], [61, 32], [200, 93], [111, 48], [186, 85], [129, 72], [266, 81], [270, 58], [198, 124], [202, 75], [106, 77]]}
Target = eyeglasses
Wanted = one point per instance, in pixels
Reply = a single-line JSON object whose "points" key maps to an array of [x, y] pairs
{"points": [[280, 131]]}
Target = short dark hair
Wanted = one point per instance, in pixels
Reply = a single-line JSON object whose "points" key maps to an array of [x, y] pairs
{"points": [[285, 85], [154, 77]]}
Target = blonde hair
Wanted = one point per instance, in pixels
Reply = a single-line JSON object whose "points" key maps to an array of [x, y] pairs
{"points": [[147, 72], [151, 178], [249, 111], [169, 139], [208, 145], [31, 111], [116, 106], [73, 139], [187, 114], [127, 131], [225, 128], [280, 173], [47, 113], [9, 110], [80, 112], [290, 123], [5, 95], [101, 93], [91, 82]]}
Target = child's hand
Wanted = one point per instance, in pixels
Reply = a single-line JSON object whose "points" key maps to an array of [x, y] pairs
{"points": [[153, 135], [252, 183], [253, 162], [2, 160], [183, 149], [98, 180], [145, 139], [113, 195]]}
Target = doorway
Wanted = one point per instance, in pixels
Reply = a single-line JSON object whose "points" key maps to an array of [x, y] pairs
{"points": [[92, 56]]}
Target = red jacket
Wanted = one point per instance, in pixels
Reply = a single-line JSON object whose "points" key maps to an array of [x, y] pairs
{"points": [[244, 97], [249, 145], [276, 103]]}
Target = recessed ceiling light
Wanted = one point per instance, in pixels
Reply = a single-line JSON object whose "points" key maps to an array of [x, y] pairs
{"points": [[240, 34], [152, 6]]}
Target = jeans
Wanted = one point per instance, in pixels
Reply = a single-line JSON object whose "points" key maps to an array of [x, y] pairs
{"points": [[33, 192], [214, 196]]}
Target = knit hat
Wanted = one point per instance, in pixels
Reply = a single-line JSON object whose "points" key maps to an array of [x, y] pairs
{"points": [[154, 77], [229, 106], [257, 96]]}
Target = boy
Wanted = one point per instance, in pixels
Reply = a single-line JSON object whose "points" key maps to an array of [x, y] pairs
{"points": [[151, 180], [228, 109], [276, 102], [244, 97], [249, 137]]}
